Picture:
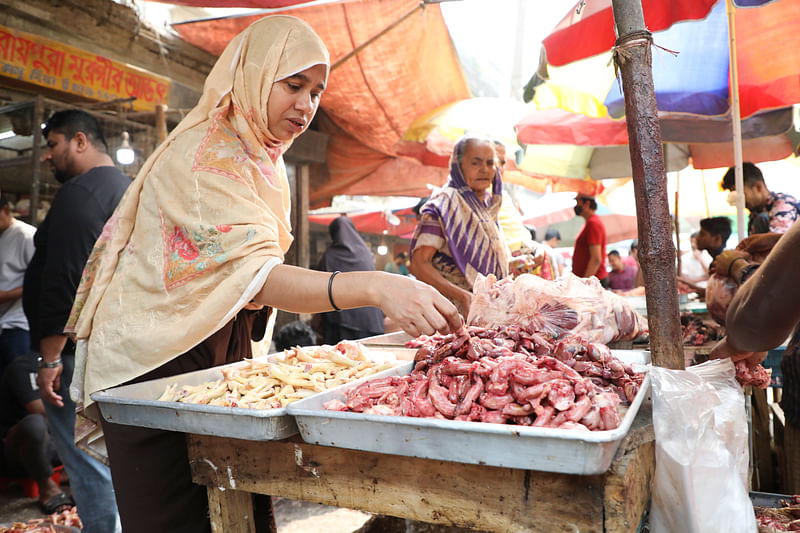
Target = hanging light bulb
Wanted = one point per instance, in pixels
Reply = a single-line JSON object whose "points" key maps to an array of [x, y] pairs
{"points": [[391, 218], [125, 154], [382, 248]]}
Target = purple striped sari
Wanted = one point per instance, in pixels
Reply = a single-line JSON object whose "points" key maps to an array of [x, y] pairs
{"points": [[464, 230]]}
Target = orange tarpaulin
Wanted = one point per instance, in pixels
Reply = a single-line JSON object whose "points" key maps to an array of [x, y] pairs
{"points": [[373, 97], [357, 169]]}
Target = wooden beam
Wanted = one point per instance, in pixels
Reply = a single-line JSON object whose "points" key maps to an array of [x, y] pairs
{"points": [[656, 250], [301, 233], [36, 159], [231, 511]]}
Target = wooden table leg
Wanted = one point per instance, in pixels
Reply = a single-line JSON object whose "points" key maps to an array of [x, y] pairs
{"points": [[231, 511]]}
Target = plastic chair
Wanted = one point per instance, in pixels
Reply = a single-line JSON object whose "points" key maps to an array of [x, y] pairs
{"points": [[29, 486]]}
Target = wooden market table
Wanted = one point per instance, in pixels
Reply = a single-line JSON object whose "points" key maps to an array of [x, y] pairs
{"points": [[441, 492]]}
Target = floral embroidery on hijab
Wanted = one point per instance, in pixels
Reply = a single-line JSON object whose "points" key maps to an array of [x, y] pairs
{"points": [[188, 254]]}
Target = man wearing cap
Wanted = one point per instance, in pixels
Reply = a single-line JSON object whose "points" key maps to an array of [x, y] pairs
{"points": [[589, 255], [16, 250]]}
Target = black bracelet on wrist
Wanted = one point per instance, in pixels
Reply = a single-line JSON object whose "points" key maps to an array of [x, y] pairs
{"points": [[730, 266], [330, 285], [747, 272]]}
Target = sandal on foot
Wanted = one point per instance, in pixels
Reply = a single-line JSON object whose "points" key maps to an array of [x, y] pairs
{"points": [[57, 503]]}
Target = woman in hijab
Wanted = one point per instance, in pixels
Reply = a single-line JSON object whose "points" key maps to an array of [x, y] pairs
{"points": [[348, 253], [190, 264], [458, 236]]}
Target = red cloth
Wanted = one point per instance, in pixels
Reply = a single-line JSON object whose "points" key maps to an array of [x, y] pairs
{"points": [[593, 232]]}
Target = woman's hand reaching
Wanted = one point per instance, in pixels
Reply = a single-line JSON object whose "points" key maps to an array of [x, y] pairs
{"points": [[417, 308]]}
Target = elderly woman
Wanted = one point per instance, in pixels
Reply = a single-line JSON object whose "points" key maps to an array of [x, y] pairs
{"points": [[458, 236], [178, 279]]}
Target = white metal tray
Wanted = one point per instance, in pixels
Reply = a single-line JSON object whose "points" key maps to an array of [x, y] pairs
{"points": [[137, 405], [397, 338], [530, 448]]}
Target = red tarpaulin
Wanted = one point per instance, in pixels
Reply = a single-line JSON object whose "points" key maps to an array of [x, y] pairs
{"points": [[595, 21], [373, 97], [375, 222]]}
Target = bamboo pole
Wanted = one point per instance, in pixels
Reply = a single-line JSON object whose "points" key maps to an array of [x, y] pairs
{"points": [[656, 251], [737, 122], [705, 192]]}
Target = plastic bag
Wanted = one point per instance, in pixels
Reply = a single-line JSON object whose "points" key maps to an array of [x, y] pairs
{"points": [[701, 476], [569, 304]]}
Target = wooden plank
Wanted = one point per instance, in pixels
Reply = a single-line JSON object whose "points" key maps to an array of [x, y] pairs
{"points": [[778, 429], [641, 431], [627, 489], [472, 496], [762, 446], [231, 511]]}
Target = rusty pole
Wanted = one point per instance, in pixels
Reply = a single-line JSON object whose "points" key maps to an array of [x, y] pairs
{"points": [[656, 251]]}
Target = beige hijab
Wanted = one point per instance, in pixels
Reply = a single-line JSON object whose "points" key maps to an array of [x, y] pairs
{"points": [[198, 230]]}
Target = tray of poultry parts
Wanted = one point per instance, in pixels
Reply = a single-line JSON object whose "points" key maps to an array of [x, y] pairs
{"points": [[493, 396], [245, 400]]}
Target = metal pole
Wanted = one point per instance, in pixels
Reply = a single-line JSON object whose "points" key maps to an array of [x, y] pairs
{"points": [[36, 156], [737, 123], [656, 251]]}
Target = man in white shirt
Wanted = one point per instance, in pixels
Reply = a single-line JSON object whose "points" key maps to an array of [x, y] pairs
{"points": [[551, 239], [16, 250], [694, 264]]}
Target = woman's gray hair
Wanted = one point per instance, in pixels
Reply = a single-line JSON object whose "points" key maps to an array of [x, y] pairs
{"points": [[460, 148]]}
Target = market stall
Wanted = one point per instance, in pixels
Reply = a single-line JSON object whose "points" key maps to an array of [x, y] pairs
{"points": [[441, 492], [595, 474]]}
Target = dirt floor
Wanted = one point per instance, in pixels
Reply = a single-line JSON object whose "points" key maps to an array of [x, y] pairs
{"points": [[291, 516]]}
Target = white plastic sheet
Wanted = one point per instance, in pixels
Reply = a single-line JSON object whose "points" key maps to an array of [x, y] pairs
{"points": [[701, 478]]}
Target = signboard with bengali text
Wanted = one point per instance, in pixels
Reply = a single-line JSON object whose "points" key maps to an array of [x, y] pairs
{"points": [[47, 63]]}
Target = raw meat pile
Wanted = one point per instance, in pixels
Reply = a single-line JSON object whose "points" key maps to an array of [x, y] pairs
{"points": [[505, 375], [696, 332], [752, 376], [568, 305], [54, 523], [786, 518]]}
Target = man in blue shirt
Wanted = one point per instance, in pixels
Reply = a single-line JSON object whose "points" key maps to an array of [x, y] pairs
{"points": [[713, 235]]}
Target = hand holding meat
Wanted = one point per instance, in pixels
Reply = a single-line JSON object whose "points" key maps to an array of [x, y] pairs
{"points": [[723, 349], [749, 371], [417, 308], [724, 262]]}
